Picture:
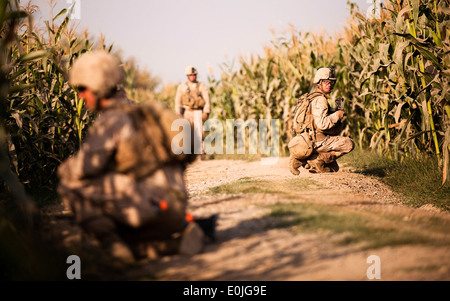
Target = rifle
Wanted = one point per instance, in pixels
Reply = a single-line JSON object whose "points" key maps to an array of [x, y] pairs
{"points": [[339, 104]]}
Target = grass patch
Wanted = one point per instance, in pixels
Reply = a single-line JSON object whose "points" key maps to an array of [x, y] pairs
{"points": [[250, 185], [375, 230], [416, 179]]}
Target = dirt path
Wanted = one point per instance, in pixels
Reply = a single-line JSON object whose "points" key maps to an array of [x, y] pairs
{"points": [[412, 244]]}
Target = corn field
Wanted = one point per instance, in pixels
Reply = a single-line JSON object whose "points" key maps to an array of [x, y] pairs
{"points": [[44, 119], [393, 71]]}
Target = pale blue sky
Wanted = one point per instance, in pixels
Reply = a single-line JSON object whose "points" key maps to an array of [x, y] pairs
{"points": [[167, 35]]}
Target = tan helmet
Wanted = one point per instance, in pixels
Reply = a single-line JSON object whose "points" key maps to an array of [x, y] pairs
{"points": [[190, 70], [324, 73], [300, 147], [97, 70]]}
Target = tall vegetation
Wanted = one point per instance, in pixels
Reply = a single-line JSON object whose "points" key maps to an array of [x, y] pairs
{"points": [[393, 70], [44, 119], [22, 256], [140, 84]]}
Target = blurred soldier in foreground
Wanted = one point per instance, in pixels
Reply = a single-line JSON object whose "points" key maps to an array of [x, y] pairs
{"points": [[125, 185], [317, 145], [192, 98]]}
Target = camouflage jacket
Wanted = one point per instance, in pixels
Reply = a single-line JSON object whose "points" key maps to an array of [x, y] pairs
{"points": [[184, 89], [326, 120], [90, 174]]}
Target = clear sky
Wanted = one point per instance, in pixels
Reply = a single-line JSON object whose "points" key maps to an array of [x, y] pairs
{"points": [[166, 35]]}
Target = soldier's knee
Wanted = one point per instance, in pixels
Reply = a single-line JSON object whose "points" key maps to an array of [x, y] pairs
{"points": [[349, 145]]}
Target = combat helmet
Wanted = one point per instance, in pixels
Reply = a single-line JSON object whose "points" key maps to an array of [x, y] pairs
{"points": [[97, 70], [324, 73], [190, 70]]}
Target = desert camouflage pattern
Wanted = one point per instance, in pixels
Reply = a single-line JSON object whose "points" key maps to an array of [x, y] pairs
{"points": [[190, 112], [190, 70], [97, 70], [328, 126], [93, 189], [188, 97], [324, 73]]}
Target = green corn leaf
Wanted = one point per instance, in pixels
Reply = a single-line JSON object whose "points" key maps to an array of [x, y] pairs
{"points": [[20, 88], [73, 41], [61, 28], [415, 8], [436, 39], [421, 48], [59, 14], [33, 55], [416, 41], [17, 73], [48, 27]]}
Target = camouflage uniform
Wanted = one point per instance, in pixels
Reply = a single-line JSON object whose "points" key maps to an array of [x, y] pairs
{"points": [[328, 126], [193, 98], [183, 90], [122, 210], [323, 128], [106, 201]]}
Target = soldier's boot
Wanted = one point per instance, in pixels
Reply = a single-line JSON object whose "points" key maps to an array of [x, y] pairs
{"points": [[324, 162], [294, 165], [105, 231], [317, 163], [191, 239], [208, 226], [305, 164], [334, 167], [329, 157]]}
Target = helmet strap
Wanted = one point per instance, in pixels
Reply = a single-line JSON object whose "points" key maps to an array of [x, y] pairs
{"points": [[98, 100], [97, 103]]}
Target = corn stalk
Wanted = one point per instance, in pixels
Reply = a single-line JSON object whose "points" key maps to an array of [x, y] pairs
{"points": [[44, 121]]}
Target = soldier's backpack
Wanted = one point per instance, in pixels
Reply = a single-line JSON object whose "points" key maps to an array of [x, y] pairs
{"points": [[303, 118], [150, 148], [301, 145]]}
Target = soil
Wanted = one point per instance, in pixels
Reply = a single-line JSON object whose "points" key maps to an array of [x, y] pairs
{"points": [[250, 247]]}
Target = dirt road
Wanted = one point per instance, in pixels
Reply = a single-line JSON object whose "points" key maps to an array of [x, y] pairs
{"points": [[276, 226]]}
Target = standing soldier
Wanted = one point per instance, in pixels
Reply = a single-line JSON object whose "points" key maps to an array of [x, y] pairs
{"points": [[320, 128], [192, 99], [124, 185]]}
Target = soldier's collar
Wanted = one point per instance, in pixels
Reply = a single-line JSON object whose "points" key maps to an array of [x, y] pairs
{"points": [[116, 101], [318, 93]]}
